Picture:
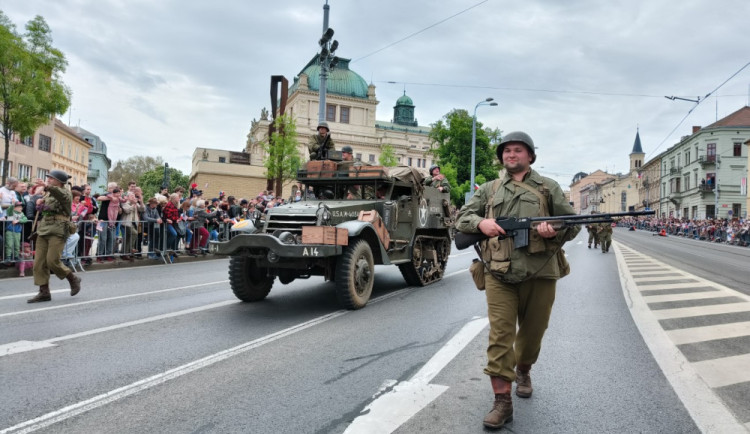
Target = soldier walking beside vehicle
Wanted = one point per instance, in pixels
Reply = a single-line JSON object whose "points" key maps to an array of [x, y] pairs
{"points": [[519, 283], [53, 230]]}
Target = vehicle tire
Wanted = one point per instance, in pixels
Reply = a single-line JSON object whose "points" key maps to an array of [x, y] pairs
{"points": [[248, 281], [355, 275]]}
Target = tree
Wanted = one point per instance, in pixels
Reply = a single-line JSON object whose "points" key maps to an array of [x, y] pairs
{"points": [[282, 159], [452, 135], [133, 168], [388, 156], [150, 181], [31, 90]]}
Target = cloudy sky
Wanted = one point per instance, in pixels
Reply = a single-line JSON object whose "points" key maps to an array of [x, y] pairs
{"points": [[163, 77]]}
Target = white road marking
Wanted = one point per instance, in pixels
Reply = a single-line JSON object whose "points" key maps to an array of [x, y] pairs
{"points": [[724, 371], [155, 380], [100, 400], [685, 312], [102, 300], [664, 298], [709, 333], [390, 410], [708, 411], [18, 347]]}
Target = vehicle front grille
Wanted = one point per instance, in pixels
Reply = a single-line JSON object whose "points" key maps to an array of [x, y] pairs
{"points": [[290, 223]]}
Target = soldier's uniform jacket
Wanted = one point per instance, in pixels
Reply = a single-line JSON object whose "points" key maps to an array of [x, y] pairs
{"points": [[317, 142], [605, 229], [55, 215], [542, 258], [442, 183]]}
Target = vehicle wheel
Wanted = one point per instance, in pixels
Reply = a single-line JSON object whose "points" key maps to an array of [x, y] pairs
{"points": [[248, 281], [409, 269], [429, 258], [355, 275]]}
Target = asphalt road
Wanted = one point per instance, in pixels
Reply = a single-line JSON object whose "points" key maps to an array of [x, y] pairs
{"points": [[169, 349]]}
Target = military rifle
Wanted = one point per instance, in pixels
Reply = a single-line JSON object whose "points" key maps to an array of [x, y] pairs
{"points": [[518, 228]]}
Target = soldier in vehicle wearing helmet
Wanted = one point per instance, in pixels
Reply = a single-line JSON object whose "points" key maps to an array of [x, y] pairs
{"points": [[321, 143], [437, 180], [519, 283]]}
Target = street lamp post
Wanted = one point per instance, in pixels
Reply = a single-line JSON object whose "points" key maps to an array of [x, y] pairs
{"points": [[487, 101], [328, 61]]}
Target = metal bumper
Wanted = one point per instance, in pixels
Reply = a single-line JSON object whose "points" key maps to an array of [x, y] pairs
{"points": [[265, 244]]}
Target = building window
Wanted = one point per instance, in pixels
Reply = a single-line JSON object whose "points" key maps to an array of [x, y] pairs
{"points": [[687, 182], [711, 152], [42, 173], [45, 143], [330, 112], [222, 159], [24, 172], [687, 157], [738, 149], [344, 115], [28, 141], [408, 162], [371, 158], [359, 156]]}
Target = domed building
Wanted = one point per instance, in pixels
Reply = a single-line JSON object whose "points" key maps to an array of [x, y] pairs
{"points": [[351, 107]]}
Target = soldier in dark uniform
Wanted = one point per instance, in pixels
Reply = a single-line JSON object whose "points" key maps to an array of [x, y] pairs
{"points": [[320, 143], [519, 283], [53, 229], [593, 233]]}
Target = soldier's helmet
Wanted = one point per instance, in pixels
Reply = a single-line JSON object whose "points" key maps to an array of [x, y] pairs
{"points": [[433, 167], [324, 125], [518, 137], [59, 175], [347, 149]]}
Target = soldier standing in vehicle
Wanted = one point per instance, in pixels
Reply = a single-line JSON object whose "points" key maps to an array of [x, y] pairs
{"points": [[519, 283], [437, 180], [320, 143]]}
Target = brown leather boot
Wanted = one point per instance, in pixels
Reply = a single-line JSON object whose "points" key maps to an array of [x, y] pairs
{"points": [[523, 381], [75, 283], [43, 295], [501, 413]]}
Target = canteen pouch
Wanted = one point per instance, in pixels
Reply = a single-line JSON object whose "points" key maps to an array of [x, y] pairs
{"points": [[477, 273], [496, 252]]}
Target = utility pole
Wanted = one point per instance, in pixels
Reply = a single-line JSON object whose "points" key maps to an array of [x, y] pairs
{"points": [[327, 61]]}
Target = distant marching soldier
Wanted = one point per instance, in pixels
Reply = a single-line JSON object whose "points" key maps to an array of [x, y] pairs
{"points": [[605, 236]]}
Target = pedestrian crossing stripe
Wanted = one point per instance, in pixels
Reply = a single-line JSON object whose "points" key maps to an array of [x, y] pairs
{"points": [[675, 310]]}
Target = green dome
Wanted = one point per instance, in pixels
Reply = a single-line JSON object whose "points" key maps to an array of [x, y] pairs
{"points": [[404, 100], [341, 81]]}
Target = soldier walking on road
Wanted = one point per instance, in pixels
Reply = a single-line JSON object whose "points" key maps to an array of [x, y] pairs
{"points": [[53, 230], [320, 143], [519, 283], [605, 236], [593, 234]]}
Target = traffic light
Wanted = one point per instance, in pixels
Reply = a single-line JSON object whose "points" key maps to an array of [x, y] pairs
{"points": [[327, 35]]}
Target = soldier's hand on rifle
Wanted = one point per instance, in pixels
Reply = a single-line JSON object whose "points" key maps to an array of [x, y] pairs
{"points": [[490, 228], [545, 230]]}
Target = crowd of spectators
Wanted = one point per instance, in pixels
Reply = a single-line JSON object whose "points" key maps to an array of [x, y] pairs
{"points": [[730, 231], [123, 223]]}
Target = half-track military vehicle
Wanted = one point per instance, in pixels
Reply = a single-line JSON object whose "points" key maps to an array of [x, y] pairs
{"points": [[350, 218]]}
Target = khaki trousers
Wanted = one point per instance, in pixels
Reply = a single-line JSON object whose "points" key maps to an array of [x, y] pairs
{"points": [[528, 304], [47, 259]]}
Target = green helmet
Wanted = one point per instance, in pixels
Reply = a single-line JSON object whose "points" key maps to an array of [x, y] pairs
{"points": [[518, 137], [323, 125]]}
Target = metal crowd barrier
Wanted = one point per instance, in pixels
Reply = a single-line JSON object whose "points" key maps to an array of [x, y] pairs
{"points": [[102, 241]]}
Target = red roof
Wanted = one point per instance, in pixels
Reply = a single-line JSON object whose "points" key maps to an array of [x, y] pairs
{"points": [[740, 118]]}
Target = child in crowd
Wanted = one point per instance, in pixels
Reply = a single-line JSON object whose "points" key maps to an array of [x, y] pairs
{"points": [[13, 230], [26, 260]]}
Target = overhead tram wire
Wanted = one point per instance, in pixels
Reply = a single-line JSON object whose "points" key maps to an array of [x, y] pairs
{"points": [[419, 31], [697, 103], [522, 89]]}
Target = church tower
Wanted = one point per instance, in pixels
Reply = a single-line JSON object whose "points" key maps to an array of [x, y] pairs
{"points": [[636, 155], [403, 112]]}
